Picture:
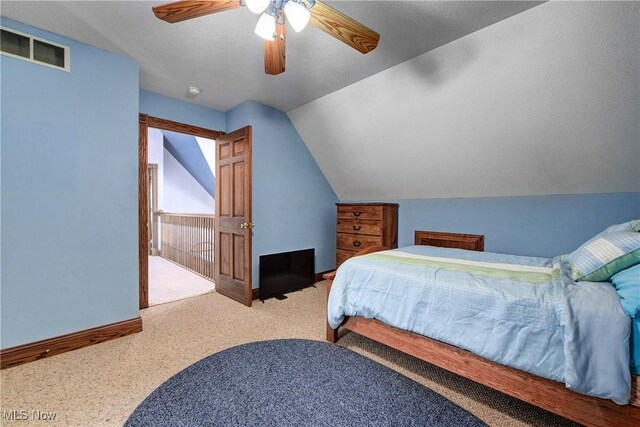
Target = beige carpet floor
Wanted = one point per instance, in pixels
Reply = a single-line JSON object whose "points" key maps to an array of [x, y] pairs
{"points": [[169, 282], [102, 384]]}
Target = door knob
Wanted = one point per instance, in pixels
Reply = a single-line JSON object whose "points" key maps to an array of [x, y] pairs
{"points": [[246, 225]]}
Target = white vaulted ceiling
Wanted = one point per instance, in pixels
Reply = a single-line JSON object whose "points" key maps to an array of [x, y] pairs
{"points": [[545, 102], [220, 54]]}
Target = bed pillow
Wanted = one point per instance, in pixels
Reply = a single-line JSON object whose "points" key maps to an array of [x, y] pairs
{"points": [[627, 284], [605, 255]]}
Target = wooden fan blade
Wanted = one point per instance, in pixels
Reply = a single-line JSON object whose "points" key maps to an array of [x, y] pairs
{"points": [[189, 9], [343, 28], [275, 52]]}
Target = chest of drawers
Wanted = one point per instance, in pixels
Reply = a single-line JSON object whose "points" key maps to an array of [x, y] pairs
{"points": [[361, 225]]}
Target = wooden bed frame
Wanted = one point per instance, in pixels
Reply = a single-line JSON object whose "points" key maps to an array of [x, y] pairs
{"points": [[541, 392]]}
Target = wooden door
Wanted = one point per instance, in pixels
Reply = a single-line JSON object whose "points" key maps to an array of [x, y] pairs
{"points": [[233, 216]]}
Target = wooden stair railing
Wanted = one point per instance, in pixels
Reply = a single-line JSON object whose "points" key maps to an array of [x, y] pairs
{"points": [[187, 240]]}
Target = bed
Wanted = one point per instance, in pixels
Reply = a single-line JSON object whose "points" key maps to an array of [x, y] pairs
{"points": [[515, 324]]}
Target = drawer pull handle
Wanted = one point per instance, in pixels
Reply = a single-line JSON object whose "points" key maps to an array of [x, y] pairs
{"points": [[357, 213], [357, 227], [356, 243]]}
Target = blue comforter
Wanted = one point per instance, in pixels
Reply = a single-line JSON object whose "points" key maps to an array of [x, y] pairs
{"points": [[523, 312]]}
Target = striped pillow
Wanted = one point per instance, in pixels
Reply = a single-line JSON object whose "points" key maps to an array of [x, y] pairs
{"points": [[633, 225], [605, 255]]}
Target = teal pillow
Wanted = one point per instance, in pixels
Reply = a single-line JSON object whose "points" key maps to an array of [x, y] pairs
{"points": [[627, 284], [605, 255]]}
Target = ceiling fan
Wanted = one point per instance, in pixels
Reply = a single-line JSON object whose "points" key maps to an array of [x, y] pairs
{"points": [[271, 24]]}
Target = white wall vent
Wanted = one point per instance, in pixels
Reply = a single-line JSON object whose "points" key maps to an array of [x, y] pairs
{"points": [[24, 46]]}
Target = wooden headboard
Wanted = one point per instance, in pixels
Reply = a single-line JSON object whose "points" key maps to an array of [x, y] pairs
{"points": [[471, 242]]}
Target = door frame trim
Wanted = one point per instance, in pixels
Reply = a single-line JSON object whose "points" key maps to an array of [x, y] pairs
{"points": [[145, 122]]}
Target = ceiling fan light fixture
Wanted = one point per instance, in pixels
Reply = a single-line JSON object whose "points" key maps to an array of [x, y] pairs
{"points": [[297, 15], [257, 6], [266, 27]]}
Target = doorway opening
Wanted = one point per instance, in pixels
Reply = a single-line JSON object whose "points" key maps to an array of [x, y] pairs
{"points": [[181, 204], [175, 210]]}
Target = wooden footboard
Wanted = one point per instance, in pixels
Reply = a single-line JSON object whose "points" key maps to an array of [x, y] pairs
{"points": [[332, 334], [547, 394], [635, 390]]}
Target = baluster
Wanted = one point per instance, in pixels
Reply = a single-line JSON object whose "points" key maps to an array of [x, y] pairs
{"points": [[169, 230], [210, 247], [190, 244], [194, 234], [196, 230], [201, 246], [183, 239]]}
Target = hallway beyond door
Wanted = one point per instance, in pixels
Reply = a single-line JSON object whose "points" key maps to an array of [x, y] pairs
{"points": [[169, 282]]}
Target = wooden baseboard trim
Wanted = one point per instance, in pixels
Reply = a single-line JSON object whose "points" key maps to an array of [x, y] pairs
{"points": [[25, 353], [255, 293], [318, 277]]}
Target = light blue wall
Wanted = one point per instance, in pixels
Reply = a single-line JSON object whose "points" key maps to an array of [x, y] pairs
{"points": [[69, 193], [293, 204], [533, 225], [165, 107]]}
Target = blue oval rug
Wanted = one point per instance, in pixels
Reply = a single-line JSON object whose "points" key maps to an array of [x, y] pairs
{"points": [[294, 383]]}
